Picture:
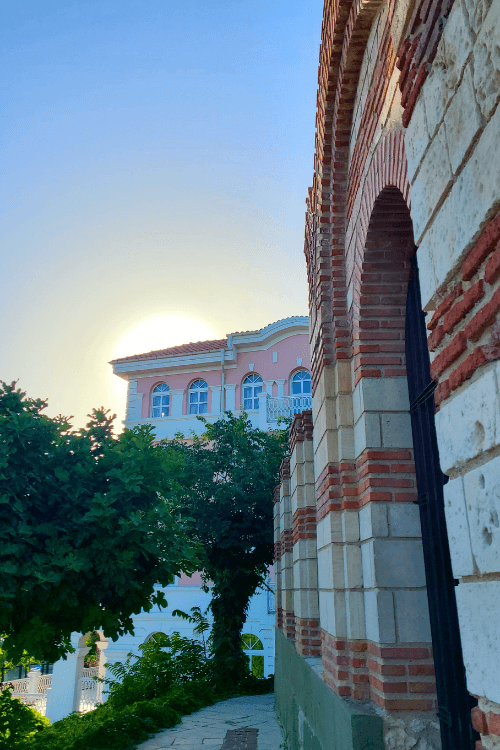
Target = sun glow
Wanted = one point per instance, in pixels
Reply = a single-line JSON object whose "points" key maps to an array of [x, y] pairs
{"points": [[161, 332]]}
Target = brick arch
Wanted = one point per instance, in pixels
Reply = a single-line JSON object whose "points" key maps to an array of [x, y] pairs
{"points": [[382, 269], [345, 32]]}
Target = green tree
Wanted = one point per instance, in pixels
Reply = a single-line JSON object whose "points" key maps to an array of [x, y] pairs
{"points": [[226, 485], [85, 530]]}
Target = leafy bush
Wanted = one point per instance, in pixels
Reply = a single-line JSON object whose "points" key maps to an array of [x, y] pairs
{"points": [[17, 722], [164, 661], [169, 678]]}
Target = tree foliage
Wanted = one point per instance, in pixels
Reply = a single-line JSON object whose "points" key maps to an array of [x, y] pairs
{"points": [[85, 531], [225, 485]]}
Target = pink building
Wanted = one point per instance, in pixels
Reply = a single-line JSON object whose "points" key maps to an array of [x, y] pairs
{"points": [[265, 373]]}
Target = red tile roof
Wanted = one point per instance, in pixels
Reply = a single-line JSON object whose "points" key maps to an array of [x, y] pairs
{"points": [[194, 347]]}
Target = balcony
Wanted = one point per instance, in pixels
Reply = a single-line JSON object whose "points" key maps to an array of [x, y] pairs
{"points": [[286, 406]]}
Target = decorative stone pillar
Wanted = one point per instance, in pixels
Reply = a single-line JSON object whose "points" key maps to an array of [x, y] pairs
{"points": [[216, 399], [281, 386], [62, 696], [176, 398], [134, 402], [269, 387], [230, 389], [263, 425]]}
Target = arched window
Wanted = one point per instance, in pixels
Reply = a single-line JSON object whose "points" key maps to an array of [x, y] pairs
{"points": [[160, 401], [252, 386], [254, 649], [301, 383], [198, 397]]}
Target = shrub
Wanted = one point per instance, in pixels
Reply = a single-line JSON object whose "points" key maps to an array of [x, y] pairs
{"points": [[164, 661], [18, 723]]}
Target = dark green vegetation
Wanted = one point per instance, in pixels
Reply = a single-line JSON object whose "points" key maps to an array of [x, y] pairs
{"points": [[171, 677], [85, 529], [225, 485]]}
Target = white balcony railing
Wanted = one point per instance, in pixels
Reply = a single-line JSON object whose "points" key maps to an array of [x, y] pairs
{"points": [[286, 406]]}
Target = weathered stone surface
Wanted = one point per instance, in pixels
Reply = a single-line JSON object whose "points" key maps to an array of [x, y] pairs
{"points": [[469, 424], [416, 138], [482, 497], [433, 181], [462, 130], [412, 616], [379, 615], [457, 526], [435, 94], [404, 520], [457, 44], [474, 197], [393, 563], [411, 731], [487, 61], [477, 11], [479, 615], [373, 521]]}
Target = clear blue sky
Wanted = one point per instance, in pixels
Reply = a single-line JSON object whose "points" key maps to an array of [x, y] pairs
{"points": [[156, 161]]}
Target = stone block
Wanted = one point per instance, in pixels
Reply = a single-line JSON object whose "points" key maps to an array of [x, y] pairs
{"points": [[461, 131], [355, 613], [379, 616], [416, 138], [479, 614], [326, 417], [344, 410], [342, 382], [304, 549], [333, 612], [412, 616], [331, 567], [380, 394], [404, 520], [353, 574], [435, 94], [474, 197], [391, 563], [482, 499], [396, 430], [373, 521], [477, 11], [469, 424], [325, 450], [305, 574], [432, 183], [345, 436], [331, 528], [487, 62], [457, 526], [368, 564], [367, 433], [350, 526], [457, 44], [306, 604]]}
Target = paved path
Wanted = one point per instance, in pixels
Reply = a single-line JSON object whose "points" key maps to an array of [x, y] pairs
{"points": [[213, 728]]}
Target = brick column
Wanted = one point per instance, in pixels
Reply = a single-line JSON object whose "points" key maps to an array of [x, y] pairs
{"points": [[286, 564], [305, 562]]}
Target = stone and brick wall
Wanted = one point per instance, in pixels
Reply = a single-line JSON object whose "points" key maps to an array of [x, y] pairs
{"points": [[406, 154]]}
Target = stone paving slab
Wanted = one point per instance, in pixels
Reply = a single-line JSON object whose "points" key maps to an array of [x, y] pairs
{"points": [[208, 729]]}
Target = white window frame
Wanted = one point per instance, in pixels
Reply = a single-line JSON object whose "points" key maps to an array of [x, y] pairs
{"points": [[255, 385], [296, 379], [164, 396], [196, 406]]}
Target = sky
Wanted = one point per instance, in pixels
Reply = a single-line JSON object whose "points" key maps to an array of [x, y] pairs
{"points": [[156, 160]]}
